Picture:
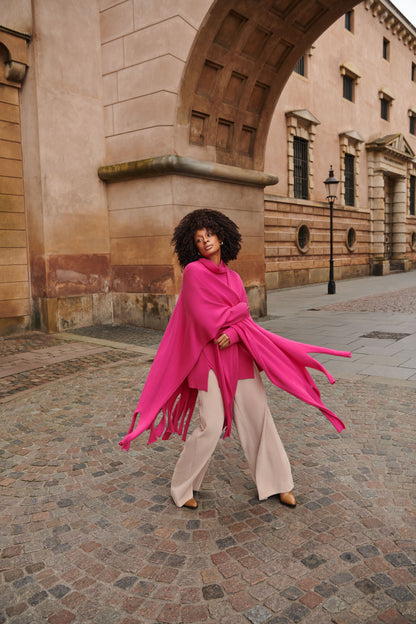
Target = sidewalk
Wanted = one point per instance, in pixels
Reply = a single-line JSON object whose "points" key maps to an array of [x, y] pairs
{"points": [[89, 533]]}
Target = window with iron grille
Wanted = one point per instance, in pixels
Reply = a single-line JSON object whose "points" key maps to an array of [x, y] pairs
{"points": [[349, 180], [300, 167], [300, 66], [412, 195], [348, 87]]}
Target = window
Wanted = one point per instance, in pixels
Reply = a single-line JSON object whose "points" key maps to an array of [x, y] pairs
{"points": [[350, 78], [348, 88], [412, 125], [300, 166], [386, 49], [386, 100], [303, 238], [412, 195], [349, 166], [414, 72], [349, 21], [384, 110], [351, 239], [349, 180], [300, 66], [301, 133]]}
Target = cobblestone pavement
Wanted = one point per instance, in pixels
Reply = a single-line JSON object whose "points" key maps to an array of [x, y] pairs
{"points": [[403, 301], [31, 360], [89, 533]]}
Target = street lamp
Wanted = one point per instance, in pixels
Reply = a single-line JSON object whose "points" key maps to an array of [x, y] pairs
{"points": [[331, 186]]}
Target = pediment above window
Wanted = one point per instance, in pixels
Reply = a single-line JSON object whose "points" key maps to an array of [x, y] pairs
{"points": [[353, 136], [305, 117], [394, 144]]}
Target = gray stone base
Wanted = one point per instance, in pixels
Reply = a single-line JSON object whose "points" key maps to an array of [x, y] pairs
{"points": [[257, 300], [302, 277], [141, 309], [380, 267], [14, 325], [61, 313]]}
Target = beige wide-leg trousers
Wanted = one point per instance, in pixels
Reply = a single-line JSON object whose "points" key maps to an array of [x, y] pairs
{"points": [[266, 457]]}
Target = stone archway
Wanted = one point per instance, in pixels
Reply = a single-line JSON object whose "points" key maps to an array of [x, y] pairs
{"points": [[178, 127], [241, 60]]}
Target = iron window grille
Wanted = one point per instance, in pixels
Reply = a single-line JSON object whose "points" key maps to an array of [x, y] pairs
{"points": [[300, 167], [412, 195], [349, 180]]}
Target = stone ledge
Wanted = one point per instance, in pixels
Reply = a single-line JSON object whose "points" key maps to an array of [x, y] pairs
{"points": [[172, 164]]}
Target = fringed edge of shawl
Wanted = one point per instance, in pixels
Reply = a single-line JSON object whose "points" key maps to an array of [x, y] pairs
{"points": [[176, 418]]}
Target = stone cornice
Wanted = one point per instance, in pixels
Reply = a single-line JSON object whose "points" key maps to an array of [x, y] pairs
{"points": [[172, 164], [15, 33], [394, 21]]}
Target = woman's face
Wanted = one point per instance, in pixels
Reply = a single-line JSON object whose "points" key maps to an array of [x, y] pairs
{"points": [[208, 245]]}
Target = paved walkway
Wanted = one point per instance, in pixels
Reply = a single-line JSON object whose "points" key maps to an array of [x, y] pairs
{"points": [[89, 533]]}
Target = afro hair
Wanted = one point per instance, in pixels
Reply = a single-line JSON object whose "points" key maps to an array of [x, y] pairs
{"points": [[214, 221]]}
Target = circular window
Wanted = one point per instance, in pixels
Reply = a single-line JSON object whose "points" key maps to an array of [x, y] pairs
{"points": [[413, 241], [303, 237], [351, 239]]}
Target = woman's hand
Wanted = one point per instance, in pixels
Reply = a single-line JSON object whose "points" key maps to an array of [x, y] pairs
{"points": [[223, 341]]}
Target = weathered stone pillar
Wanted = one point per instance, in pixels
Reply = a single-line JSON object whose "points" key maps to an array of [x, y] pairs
{"points": [[147, 198], [399, 221], [376, 200]]}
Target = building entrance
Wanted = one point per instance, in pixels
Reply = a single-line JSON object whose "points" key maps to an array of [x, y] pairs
{"points": [[388, 159]]}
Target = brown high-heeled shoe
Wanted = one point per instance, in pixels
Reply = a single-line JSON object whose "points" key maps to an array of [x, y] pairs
{"points": [[191, 503], [287, 498]]}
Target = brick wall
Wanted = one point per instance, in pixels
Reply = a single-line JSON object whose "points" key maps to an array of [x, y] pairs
{"points": [[14, 286], [287, 265]]}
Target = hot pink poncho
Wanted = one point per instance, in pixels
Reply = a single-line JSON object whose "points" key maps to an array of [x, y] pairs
{"points": [[206, 307]]}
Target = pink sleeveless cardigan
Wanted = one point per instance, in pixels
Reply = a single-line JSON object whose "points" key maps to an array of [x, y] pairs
{"points": [[205, 308]]}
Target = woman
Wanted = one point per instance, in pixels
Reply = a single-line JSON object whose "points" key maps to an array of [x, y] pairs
{"points": [[212, 351]]}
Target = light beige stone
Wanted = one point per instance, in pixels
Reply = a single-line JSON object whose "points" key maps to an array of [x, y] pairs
{"points": [[110, 89], [141, 250], [140, 193], [144, 143], [147, 13], [155, 109], [156, 75], [117, 21], [113, 56], [172, 36]]}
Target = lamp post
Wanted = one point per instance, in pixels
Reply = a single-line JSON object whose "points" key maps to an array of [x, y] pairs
{"points": [[331, 186]]}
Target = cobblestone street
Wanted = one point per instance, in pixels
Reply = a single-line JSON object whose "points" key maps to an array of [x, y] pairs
{"points": [[89, 533]]}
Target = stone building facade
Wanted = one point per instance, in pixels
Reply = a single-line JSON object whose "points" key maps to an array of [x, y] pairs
{"points": [[350, 103], [117, 117]]}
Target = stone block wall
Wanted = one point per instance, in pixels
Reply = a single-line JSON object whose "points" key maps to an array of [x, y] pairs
{"points": [[287, 265]]}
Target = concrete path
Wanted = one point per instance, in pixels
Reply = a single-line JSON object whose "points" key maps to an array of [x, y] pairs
{"points": [[374, 318], [88, 533]]}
